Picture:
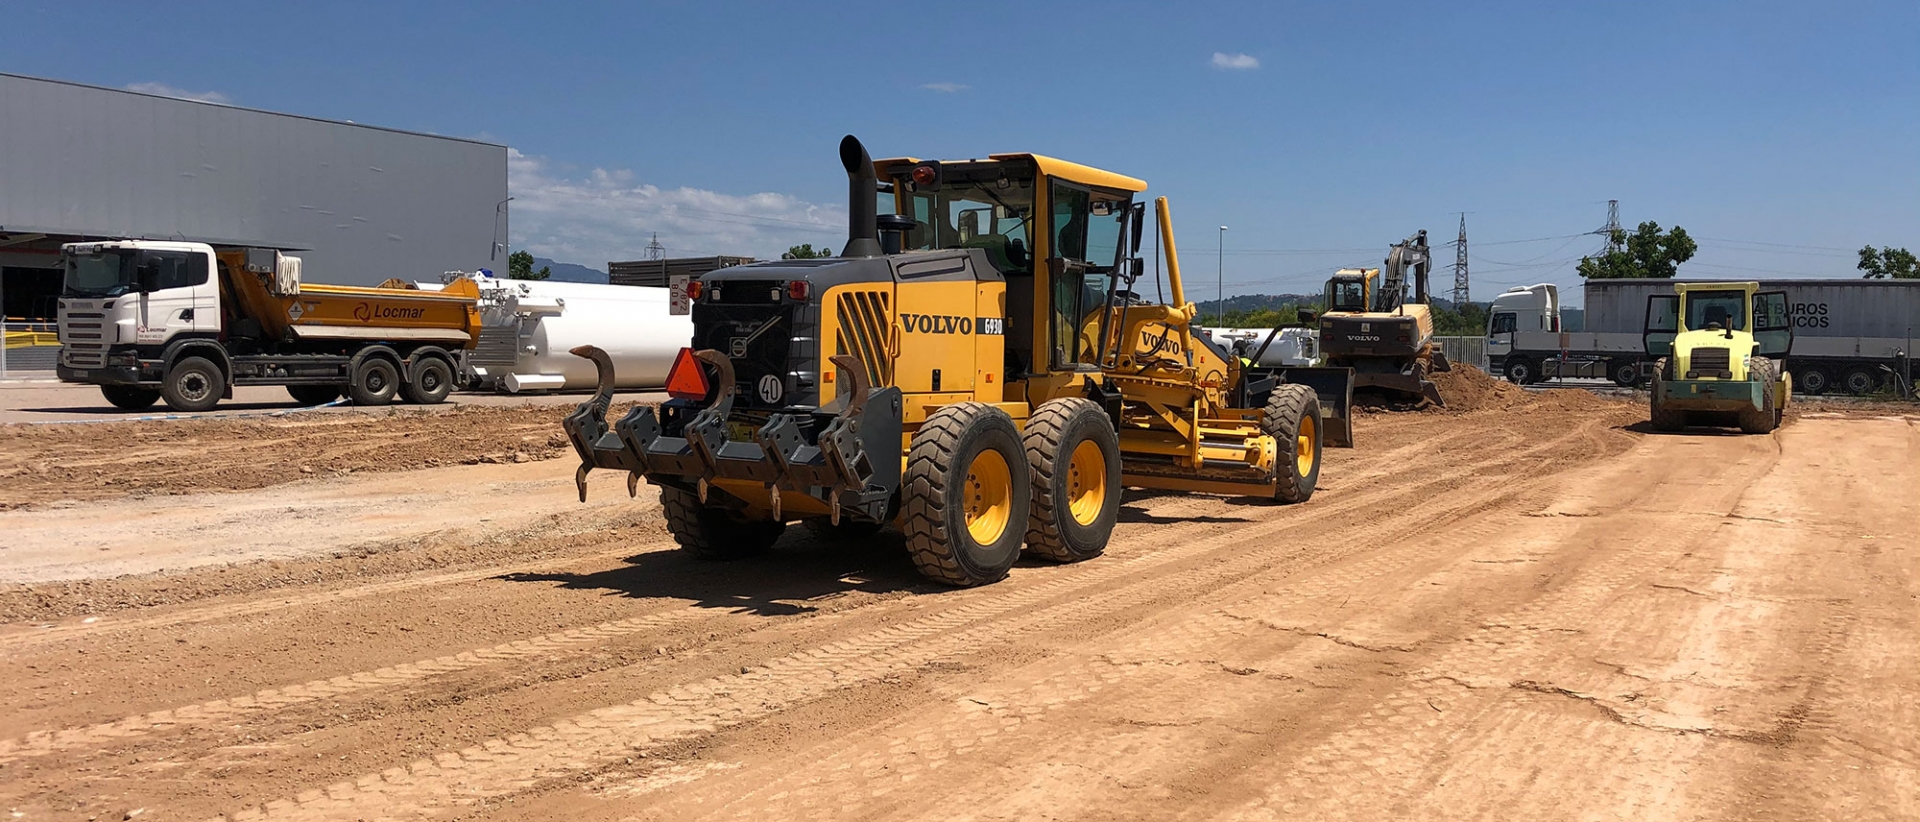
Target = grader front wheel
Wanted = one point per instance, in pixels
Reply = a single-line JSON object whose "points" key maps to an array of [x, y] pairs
{"points": [[1292, 419], [966, 495], [715, 533], [1073, 455]]}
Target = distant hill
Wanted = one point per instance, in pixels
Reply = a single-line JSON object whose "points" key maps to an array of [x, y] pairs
{"points": [[571, 272]]}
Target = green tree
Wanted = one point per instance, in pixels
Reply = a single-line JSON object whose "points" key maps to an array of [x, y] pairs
{"points": [[805, 251], [1469, 320], [1897, 263], [1648, 253], [520, 267]]}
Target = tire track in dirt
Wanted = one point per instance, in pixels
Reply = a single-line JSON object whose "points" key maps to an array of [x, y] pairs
{"points": [[517, 762]]}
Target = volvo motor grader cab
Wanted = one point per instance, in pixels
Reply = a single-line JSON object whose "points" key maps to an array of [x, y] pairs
{"points": [[973, 367], [1719, 347], [1369, 326]]}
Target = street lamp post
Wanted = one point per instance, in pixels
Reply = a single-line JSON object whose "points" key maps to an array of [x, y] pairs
{"points": [[1220, 280]]}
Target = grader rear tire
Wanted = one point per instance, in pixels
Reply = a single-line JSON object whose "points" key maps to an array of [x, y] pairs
{"points": [[965, 495], [1073, 455], [715, 533], [1292, 419], [1760, 420]]}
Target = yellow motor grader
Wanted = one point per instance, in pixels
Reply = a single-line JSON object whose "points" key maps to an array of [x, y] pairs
{"points": [[973, 367]]}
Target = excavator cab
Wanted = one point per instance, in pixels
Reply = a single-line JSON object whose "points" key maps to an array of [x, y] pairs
{"points": [[1351, 290]]}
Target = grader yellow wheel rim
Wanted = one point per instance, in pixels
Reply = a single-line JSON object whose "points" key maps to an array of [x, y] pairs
{"points": [[989, 503], [1087, 482], [1303, 446]]}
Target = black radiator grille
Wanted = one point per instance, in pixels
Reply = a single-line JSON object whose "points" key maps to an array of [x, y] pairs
{"points": [[1709, 360]]}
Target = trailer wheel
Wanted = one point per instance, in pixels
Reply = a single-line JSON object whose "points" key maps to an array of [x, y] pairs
{"points": [[713, 533], [1859, 380], [1812, 380], [1663, 419], [1626, 373], [1760, 420], [1521, 370], [966, 495], [430, 382], [1292, 418], [1073, 456], [193, 384], [374, 382], [313, 394], [130, 397]]}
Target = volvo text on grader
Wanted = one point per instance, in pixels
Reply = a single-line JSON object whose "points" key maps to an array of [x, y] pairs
{"points": [[973, 367]]}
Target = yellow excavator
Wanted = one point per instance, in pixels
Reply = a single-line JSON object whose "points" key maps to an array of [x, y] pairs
{"points": [[1369, 326], [973, 368]]}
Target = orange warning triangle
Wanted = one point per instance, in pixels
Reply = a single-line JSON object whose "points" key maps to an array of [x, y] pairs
{"points": [[687, 379]]}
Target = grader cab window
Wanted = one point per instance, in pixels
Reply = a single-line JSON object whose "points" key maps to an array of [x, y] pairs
{"points": [[1086, 229], [989, 208]]}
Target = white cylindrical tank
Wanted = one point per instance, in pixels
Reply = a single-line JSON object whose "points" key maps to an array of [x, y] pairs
{"points": [[1291, 347], [545, 319]]}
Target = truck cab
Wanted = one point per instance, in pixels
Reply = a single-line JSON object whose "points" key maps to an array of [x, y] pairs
{"points": [[1518, 310]]}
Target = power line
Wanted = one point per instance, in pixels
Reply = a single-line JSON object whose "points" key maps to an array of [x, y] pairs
{"points": [[1778, 245]]}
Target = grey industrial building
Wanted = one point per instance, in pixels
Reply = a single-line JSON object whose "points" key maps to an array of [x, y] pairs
{"points": [[358, 203]]}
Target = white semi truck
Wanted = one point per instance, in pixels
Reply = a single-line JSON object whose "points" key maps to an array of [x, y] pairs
{"points": [[1849, 335]]}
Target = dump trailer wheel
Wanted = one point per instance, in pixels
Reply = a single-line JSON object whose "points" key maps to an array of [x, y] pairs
{"points": [[965, 495], [1292, 418], [193, 384], [848, 530], [374, 382], [1662, 419], [429, 383], [313, 394], [1760, 420], [130, 397], [1073, 455], [715, 533]]}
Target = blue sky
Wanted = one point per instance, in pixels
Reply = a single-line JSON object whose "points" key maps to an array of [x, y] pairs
{"points": [[1318, 132]]}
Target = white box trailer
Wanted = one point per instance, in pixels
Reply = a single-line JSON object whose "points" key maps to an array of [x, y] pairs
{"points": [[1849, 335]]}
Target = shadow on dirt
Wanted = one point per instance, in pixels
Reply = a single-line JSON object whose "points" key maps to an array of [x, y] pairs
{"points": [[1131, 512], [801, 569], [1700, 430]]}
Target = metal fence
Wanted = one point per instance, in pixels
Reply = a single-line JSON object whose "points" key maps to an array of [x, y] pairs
{"points": [[1469, 350]]}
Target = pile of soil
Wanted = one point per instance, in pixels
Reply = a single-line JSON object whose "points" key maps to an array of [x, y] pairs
{"points": [[1466, 388], [42, 465]]}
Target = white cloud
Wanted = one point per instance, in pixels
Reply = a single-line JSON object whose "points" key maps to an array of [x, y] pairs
{"points": [[946, 88], [1235, 62], [608, 215], [164, 90]]}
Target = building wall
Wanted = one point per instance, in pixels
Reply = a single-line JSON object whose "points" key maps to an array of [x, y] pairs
{"points": [[363, 203]]}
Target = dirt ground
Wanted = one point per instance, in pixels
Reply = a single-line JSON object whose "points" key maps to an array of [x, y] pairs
{"points": [[1522, 606]]}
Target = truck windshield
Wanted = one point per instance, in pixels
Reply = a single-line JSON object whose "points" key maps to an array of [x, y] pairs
{"points": [[1727, 308], [99, 274]]}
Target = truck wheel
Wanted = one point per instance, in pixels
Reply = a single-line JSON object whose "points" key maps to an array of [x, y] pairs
{"points": [[1073, 457], [1626, 373], [193, 384], [966, 495], [1663, 419], [130, 397], [1859, 380], [1812, 381], [430, 382], [374, 382], [1760, 420], [715, 533], [313, 394], [1521, 371], [1292, 419]]}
